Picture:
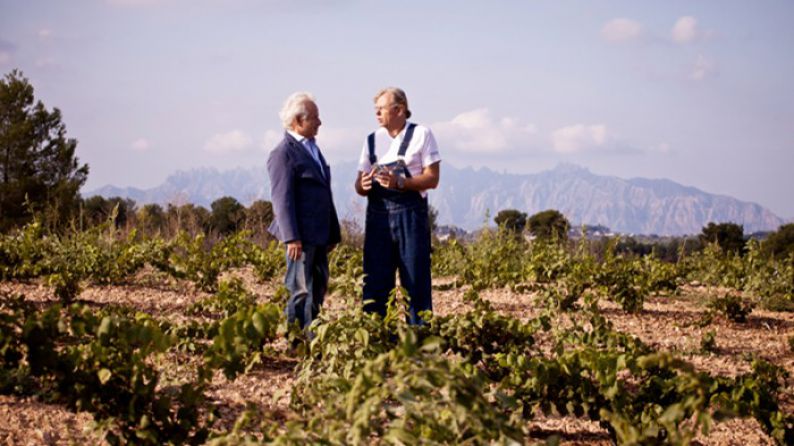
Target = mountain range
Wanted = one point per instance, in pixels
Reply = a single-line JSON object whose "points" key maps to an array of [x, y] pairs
{"points": [[466, 196]]}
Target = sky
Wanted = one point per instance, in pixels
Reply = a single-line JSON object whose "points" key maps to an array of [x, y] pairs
{"points": [[699, 92]]}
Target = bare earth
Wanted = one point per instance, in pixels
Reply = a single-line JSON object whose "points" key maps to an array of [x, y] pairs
{"points": [[667, 323]]}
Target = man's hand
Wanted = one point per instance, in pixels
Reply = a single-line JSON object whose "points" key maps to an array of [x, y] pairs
{"points": [[366, 180], [294, 250], [387, 179]]}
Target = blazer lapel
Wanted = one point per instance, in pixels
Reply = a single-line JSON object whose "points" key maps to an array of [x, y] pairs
{"points": [[326, 167], [301, 150]]}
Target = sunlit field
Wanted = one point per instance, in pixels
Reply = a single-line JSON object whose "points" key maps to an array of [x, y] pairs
{"points": [[121, 338]]}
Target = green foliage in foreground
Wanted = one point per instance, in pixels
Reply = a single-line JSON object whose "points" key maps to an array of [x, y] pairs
{"points": [[99, 363], [476, 377], [241, 338], [369, 380]]}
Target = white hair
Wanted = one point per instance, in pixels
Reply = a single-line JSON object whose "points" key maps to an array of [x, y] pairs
{"points": [[295, 106]]}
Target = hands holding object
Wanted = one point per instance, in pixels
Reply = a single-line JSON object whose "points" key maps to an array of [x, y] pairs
{"points": [[384, 176]]}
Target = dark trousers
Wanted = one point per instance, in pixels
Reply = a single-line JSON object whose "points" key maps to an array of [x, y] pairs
{"points": [[397, 238], [307, 282]]}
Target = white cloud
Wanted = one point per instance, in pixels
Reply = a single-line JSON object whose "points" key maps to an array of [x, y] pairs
{"points": [[140, 145], [476, 131], [5, 57], [342, 140], [45, 33], [703, 68], [233, 141], [579, 137], [473, 132], [685, 30], [621, 30]]}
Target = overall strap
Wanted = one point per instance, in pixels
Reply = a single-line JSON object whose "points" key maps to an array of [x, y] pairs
{"points": [[409, 133], [371, 144]]}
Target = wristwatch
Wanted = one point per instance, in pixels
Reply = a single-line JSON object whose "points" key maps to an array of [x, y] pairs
{"points": [[400, 182]]}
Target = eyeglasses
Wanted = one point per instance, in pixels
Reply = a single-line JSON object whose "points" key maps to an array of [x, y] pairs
{"points": [[384, 107]]}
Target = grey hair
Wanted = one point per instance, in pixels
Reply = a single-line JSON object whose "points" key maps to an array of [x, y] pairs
{"points": [[295, 106], [399, 98]]}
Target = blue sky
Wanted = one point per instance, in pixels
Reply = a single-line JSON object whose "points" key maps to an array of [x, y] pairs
{"points": [[697, 92]]}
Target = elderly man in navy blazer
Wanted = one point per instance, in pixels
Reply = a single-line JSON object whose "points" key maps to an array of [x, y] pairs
{"points": [[305, 217]]}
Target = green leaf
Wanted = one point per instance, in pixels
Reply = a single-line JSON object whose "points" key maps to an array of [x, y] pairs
{"points": [[104, 375], [260, 324], [105, 326]]}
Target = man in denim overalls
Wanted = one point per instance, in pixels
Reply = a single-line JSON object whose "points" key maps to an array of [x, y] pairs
{"points": [[399, 163]]}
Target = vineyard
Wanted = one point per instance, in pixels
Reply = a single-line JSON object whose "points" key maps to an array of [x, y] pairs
{"points": [[118, 338]]}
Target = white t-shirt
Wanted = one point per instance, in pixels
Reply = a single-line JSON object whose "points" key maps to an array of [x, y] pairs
{"points": [[422, 151]]}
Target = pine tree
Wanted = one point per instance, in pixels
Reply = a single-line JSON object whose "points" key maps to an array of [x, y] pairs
{"points": [[39, 173]]}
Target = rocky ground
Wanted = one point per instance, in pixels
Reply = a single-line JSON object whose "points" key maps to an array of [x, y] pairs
{"points": [[667, 323]]}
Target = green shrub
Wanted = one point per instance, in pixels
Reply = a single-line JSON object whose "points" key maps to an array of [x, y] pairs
{"points": [[708, 342], [622, 281], [496, 258], [241, 338], [448, 258], [481, 334], [732, 307], [231, 297]]}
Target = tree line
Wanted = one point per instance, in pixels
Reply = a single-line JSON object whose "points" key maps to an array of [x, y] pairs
{"points": [[225, 216], [553, 225]]}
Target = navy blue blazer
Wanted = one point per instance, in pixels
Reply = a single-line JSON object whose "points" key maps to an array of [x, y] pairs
{"points": [[302, 201]]}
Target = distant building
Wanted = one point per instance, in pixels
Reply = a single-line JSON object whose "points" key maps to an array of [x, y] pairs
{"points": [[590, 231], [446, 232]]}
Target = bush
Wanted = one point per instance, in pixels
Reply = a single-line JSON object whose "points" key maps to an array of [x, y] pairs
{"points": [[448, 258], [101, 363], [512, 220], [495, 258], [241, 338], [729, 236], [622, 281], [708, 342], [230, 298], [780, 243], [549, 225], [732, 306]]}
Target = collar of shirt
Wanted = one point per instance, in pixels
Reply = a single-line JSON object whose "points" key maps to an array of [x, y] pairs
{"points": [[314, 153], [298, 137], [304, 142], [400, 135]]}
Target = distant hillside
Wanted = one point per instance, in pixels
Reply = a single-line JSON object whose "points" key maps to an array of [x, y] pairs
{"points": [[637, 205]]}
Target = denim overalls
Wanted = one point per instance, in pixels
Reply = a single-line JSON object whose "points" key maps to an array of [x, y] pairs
{"points": [[397, 237]]}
